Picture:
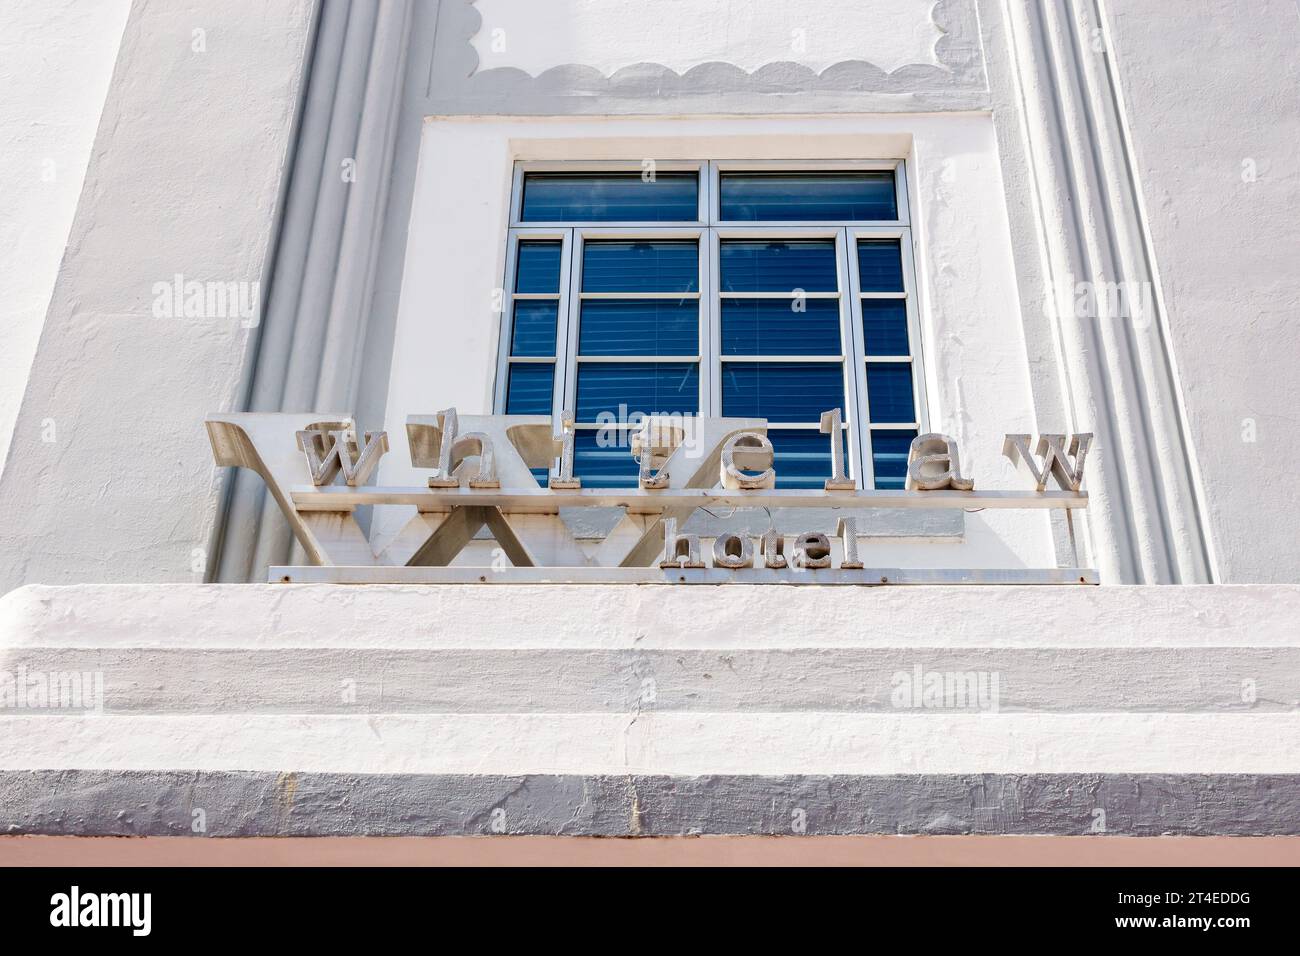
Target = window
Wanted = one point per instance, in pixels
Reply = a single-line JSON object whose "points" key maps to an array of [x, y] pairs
{"points": [[774, 291]]}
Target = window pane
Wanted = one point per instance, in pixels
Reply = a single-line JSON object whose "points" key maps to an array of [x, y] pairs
{"points": [[602, 457], [624, 389], [889, 457], [803, 457], [534, 328], [610, 197], [780, 266], [781, 391], [884, 326], [774, 327], [639, 327], [880, 265], [640, 266], [538, 267], [889, 392], [789, 197], [529, 392]]}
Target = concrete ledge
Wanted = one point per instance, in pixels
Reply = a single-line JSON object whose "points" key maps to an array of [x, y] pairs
{"points": [[652, 711], [195, 679], [103, 803], [610, 616], [661, 742]]}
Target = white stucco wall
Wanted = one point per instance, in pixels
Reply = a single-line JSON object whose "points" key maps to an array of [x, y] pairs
{"points": [[1214, 119], [184, 179], [56, 59]]}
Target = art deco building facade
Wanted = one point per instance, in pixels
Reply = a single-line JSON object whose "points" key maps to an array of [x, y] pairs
{"points": [[842, 418]]}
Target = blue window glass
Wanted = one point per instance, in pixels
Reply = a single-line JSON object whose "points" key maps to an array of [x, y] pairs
{"points": [[802, 457], [602, 458], [538, 266], [775, 327], [884, 326], [624, 389], [808, 197], [534, 327], [889, 450], [782, 391], [880, 265], [778, 265], [529, 390], [639, 327], [610, 197], [621, 266], [889, 392]]}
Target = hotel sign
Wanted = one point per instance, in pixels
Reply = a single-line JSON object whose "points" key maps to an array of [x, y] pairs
{"points": [[482, 475]]}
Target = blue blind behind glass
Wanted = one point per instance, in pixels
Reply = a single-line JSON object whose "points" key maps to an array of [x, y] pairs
{"points": [[538, 266], [889, 392], [889, 457], [773, 327], [529, 391], [639, 327], [780, 266], [803, 457], [602, 458], [880, 265], [782, 391], [610, 197], [621, 266], [534, 327], [884, 326], [646, 388], [808, 197]]}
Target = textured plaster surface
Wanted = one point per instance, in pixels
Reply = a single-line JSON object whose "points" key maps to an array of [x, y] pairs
{"points": [[1213, 121], [56, 59], [495, 58], [184, 178], [681, 34], [188, 678], [619, 616], [96, 803], [619, 710], [661, 742]]}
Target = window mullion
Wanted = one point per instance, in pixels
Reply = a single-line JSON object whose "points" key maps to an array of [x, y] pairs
{"points": [[858, 372], [711, 319], [567, 342]]}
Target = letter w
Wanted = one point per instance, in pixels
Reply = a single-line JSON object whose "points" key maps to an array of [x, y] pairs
{"points": [[331, 451], [1055, 462]]}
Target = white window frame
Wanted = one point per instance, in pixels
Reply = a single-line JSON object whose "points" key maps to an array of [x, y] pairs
{"points": [[709, 231]]}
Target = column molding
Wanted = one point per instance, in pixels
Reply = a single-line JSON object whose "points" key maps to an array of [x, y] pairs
{"points": [[310, 352], [1117, 375]]}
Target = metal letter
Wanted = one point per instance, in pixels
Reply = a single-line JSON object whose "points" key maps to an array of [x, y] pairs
{"points": [[732, 550], [331, 451], [752, 452], [447, 428], [1069, 476], [847, 530], [773, 545], [680, 550], [933, 464], [453, 449], [812, 549], [839, 480], [563, 479], [657, 438]]}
